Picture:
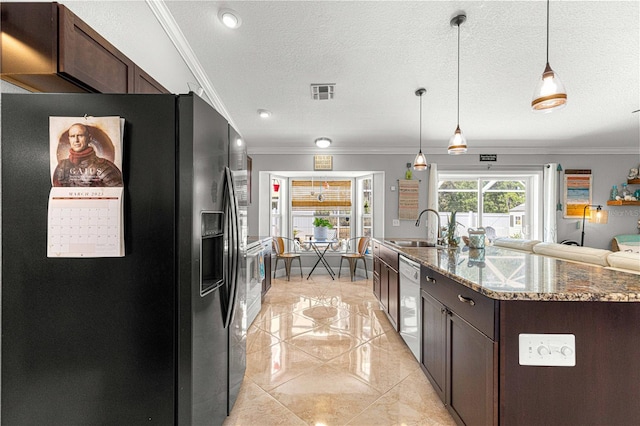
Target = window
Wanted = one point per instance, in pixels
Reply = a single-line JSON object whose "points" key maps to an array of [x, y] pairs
{"points": [[365, 215], [505, 204], [326, 198], [352, 201]]}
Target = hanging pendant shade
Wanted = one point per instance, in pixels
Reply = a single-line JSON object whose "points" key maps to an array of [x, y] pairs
{"points": [[420, 162], [550, 93], [457, 143]]}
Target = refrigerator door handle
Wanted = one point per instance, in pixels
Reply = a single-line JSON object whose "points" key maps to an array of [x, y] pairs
{"points": [[236, 240], [232, 274]]}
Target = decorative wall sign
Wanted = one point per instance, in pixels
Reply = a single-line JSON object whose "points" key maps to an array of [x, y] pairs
{"points": [[408, 192], [577, 192], [323, 162], [488, 157]]}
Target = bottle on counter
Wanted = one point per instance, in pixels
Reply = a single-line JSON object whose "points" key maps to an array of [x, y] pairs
{"points": [[614, 192]]}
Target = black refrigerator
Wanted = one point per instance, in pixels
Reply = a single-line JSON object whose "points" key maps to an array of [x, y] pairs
{"points": [[157, 336]]}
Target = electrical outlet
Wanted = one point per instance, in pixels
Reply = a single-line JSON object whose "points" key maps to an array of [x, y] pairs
{"points": [[548, 349], [396, 222], [577, 224]]}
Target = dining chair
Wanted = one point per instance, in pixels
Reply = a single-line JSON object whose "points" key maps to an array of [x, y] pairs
{"points": [[354, 252], [285, 249]]}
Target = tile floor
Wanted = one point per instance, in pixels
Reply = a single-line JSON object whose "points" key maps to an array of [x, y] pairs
{"points": [[322, 353]]}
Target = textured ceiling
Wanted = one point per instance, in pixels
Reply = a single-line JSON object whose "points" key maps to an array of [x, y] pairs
{"points": [[379, 52]]}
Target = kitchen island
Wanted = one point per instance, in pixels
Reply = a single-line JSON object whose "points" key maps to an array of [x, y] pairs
{"points": [[476, 304]]}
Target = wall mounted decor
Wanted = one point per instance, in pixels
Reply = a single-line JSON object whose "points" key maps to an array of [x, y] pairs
{"points": [[577, 192], [323, 162]]}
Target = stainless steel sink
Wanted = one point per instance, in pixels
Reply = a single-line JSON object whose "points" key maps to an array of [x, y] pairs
{"points": [[412, 243]]}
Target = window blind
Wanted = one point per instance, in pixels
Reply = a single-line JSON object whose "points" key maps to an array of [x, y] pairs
{"points": [[334, 195]]}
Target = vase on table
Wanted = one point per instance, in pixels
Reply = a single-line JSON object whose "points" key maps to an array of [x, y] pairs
{"points": [[320, 233]]}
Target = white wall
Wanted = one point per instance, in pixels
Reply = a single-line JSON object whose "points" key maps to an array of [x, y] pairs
{"points": [[607, 170]]}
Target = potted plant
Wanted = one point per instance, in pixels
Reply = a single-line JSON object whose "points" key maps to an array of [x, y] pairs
{"points": [[367, 210], [452, 237], [321, 225]]}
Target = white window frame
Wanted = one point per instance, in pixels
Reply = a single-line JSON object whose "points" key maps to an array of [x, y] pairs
{"points": [[533, 191]]}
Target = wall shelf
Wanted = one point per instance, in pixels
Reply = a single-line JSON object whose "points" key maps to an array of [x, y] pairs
{"points": [[623, 203], [635, 181]]}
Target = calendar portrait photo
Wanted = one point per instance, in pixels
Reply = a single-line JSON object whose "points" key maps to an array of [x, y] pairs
{"points": [[86, 151]]}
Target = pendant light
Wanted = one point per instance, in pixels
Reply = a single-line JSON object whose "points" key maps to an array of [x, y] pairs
{"points": [[420, 163], [458, 143], [550, 93]]}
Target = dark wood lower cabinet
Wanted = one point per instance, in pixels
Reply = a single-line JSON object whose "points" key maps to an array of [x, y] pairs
{"points": [[603, 388], [459, 360], [472, 374], [266, 282], [385, 282], [434, 339], [470, 354], [376, 283], [394, 297]]}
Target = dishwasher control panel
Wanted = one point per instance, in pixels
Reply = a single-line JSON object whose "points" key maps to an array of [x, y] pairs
{"points": [[410, 269], [548, 349]]}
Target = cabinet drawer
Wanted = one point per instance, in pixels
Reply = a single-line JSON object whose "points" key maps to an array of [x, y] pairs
{"points": [[390, 257], [377, 265], [477, 309]]}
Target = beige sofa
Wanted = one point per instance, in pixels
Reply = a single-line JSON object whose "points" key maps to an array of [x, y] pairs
{"points": [[516, 244], [620, 261], [624, 261]]}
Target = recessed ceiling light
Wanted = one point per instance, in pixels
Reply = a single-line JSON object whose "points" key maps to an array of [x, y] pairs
{"points": [[229, 18], [323, 142], [263, 113]]}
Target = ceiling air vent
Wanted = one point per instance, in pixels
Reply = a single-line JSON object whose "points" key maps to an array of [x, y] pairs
{"points": [[321, 92]]}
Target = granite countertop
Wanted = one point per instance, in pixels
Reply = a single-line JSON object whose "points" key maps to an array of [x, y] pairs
{"points": [[504, 274], [252, 239]]}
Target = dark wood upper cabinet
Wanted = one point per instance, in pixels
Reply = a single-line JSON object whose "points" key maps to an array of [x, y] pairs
{"points": [[47, 48], [85, 56], [144, 83]]}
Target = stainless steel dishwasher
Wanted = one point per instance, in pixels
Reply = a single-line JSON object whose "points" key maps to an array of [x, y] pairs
{"points": [[410, 321]]}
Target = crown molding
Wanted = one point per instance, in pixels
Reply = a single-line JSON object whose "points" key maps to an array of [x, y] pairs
{"points": [[164, 17], [550, 150]]}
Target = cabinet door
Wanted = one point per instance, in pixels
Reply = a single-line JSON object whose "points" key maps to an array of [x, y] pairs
{"points": [[434, 342], [266, 282], [376, 277], [85, 56], [144, 83], [394, 298], [384, 287], [472, 375]]}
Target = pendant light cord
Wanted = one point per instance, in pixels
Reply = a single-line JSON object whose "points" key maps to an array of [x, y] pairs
{"points": [[421, 122], [547, 31], [458, 74]]}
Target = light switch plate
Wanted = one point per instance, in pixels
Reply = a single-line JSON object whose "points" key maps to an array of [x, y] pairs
{"points": [[393, 188], [548, 349], [396, 222]]}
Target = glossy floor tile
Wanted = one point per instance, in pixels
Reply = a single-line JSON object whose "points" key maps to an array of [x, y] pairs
{"points": [[322, 353]]}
